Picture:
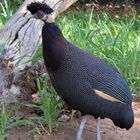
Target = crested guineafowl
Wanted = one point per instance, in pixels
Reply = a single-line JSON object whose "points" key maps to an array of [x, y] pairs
{"points": [[84, 81]]}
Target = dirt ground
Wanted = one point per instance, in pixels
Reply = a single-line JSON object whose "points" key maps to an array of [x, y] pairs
{"points": [[68, 130]]}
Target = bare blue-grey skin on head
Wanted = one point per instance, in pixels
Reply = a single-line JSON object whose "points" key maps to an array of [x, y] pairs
{"points": [[84, 81]]}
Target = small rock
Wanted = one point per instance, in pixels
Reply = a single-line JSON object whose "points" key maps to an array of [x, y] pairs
{"points": [[64, 118], [36, 98], [36, 137]]}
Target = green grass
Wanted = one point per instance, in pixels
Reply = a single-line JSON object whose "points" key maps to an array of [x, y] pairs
{"points": [[3, 121], [50, 106], [8, 120], [7, 9]]}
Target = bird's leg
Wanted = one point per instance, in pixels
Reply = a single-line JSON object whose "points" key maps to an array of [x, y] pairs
{"points": [[98, 136], [80, 130]]}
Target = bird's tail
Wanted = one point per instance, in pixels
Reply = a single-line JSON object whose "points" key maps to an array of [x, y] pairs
{"points": [[125, 118]]}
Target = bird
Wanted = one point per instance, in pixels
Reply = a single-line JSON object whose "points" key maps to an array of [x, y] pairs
{"points": [[84, 81]]}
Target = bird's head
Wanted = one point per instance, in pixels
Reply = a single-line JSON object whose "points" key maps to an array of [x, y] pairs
{"points": [[41, 11]]}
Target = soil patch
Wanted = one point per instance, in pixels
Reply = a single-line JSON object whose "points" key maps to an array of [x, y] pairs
{"points": [[68, 130]]}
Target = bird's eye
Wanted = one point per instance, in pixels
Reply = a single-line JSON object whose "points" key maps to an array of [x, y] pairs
{"points": [[48, 11]]}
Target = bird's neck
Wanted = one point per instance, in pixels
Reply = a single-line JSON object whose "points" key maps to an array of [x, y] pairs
{"points": [[54, 46]]}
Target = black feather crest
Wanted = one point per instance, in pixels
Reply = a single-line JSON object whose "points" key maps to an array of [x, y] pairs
{"points": [[35, 6]]}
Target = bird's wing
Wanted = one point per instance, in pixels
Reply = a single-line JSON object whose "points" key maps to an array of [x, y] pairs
{"points": [[108, 82]]}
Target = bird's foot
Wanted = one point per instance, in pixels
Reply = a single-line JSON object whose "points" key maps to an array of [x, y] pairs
{"points": [[79, 139], [82, 124], [98, 135]]}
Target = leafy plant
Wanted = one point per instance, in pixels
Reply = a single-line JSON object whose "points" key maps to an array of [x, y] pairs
{"points": [[50, 105], [7, 9], [3, 122], [6, 12], [15, 119], [7, 121]]}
